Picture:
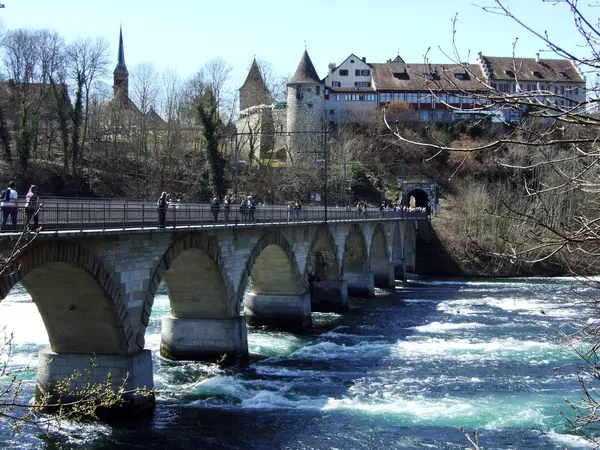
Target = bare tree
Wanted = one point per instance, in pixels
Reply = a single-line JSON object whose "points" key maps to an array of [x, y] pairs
{"points": [[88, 61]]}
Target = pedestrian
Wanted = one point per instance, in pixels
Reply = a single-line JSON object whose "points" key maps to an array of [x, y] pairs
{"points": [[9, 206], [163, 205], [32, 203], [215, 209], [251, 204], [244, 210], [297, 209], [226, 207]]}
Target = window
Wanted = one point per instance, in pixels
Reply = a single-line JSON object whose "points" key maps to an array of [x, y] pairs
{"points": [[318, 90], [331, 111], [365, 73], [370, 97], [425, 115], [440, 115], [461, 76], [343, 72], [399, 96], [309, 105], [335, 97], [504, 87], [298, 92], [362, 84], [385, 97], [352, 61], [537, 74], [357, 73], [411, 98], [336, 84], [424, 98], [509, 73]]}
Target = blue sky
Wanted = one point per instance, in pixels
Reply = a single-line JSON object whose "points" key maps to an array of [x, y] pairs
{"points": [[184, 34]]}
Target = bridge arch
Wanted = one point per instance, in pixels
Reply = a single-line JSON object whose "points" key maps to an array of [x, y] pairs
{"points": [[272, 269], [322, 262], [80, 301], [355, 250], [196, 280], [379, 254]]}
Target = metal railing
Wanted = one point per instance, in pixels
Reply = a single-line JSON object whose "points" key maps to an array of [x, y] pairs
{"points": [[71, 214]]}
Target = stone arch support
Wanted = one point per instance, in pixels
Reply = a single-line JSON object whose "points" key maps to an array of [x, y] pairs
{"points": [[382, 268], [272, 268], [80, 301], [278, 296], [196, 279], [356, 269]]}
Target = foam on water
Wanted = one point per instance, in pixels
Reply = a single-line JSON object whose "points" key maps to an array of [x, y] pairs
{"points": [[463, 349], [439, 327]]}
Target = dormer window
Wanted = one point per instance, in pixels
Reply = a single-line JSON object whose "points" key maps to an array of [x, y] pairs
{"points": [[537, 74], [461, 76], [429, 76], [401, 75], [509, 73], [564, 75]]}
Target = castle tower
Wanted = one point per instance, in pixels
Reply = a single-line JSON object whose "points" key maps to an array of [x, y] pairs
{"points": [[120, 74], [305, 111], [254, 91]]}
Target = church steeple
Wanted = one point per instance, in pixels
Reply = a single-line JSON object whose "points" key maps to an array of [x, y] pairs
{"points": [[120, 74]]}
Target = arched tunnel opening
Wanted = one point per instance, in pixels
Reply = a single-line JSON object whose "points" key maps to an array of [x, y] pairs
{"points": [[421, 199]]}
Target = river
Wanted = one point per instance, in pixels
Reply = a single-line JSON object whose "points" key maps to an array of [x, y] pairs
{"points": [[401, 371]]}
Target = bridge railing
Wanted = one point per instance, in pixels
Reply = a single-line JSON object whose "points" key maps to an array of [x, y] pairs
{"points": [[55, 215]]}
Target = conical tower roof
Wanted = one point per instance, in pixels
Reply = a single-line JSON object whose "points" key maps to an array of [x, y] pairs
{"points": [[306, 72], [121, 67], [254, 78]]}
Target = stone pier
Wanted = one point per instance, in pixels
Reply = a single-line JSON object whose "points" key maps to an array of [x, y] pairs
{"points": [[278, 311], [131, 372], [360, 284], [384, 276], [212, 340], [329, 296]]}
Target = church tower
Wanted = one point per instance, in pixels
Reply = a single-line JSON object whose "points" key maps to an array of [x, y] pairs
{"points": [[305, 110], [120, 74], [254, 91]]}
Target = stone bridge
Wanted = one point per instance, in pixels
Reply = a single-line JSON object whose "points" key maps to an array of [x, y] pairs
{"points": [[95, 289]]}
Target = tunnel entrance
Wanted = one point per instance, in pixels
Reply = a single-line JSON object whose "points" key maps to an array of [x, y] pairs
{"points": [[421, 199]]}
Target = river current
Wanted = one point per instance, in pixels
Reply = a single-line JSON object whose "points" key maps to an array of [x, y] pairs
{"points": [[401, 371]]}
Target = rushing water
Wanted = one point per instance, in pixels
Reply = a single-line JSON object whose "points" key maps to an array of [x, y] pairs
{"points": [[401, 371]]}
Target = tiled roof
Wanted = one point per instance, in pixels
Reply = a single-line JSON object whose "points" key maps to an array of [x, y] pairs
{"points": [[528, 69], [423, 77], [306, 72]]}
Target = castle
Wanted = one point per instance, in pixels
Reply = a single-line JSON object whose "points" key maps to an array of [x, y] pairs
{"points": [[354, 92]]}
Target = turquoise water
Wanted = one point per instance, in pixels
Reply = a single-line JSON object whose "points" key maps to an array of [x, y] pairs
{"points": [[401, 371]]}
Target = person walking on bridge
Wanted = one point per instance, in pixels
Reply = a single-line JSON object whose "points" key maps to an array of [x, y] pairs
{"points": [[9, 206], [163, 205], [32, 204], [215, 209], [226, 207]]}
